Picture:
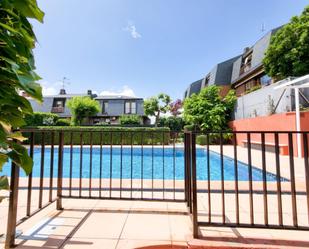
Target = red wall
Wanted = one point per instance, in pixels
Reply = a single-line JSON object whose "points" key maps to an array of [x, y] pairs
{"points": [[276, 122]]}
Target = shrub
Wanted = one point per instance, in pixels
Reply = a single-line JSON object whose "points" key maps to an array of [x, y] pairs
{"points": [[130, 120], [63, 122], [140, 135], [201, 139], [208, 111], [41, 119], [175, 124], [82, 108]]}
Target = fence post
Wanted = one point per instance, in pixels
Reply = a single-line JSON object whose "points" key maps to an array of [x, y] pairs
{"points": [[60, 171], [194, 185], [12, 213], [186, 167]]}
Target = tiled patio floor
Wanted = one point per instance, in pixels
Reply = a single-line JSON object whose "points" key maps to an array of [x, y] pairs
{"points": [[136, 224]]}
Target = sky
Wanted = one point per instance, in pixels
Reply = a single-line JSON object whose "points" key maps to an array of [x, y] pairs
{"points": [[145, 47]]}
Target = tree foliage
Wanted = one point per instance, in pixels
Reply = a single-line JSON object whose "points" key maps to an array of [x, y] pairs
{"points": [[41, 119], [175, 107], [288, 53], [82, 108], [175, 124], [208, 111], [17, 40], [155, 106]]}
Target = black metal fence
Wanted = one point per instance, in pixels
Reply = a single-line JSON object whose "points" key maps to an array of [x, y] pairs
{"points": [[273, 192], [260, 184], [94, 164]]}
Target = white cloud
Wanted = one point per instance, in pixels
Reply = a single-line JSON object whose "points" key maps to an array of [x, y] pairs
{"points": [[131, 28], [125, 91], [50, 88]]}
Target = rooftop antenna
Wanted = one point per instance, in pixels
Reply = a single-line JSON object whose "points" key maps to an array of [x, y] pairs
{"points": [[263, 27], [65, 81]]}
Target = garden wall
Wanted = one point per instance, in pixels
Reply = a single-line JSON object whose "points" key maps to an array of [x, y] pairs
{"points": [[275, 122]]}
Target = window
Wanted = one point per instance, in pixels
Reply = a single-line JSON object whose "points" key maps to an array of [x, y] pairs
{"points": [[130, 107], [246, 63], [104, 107], [207, 81]]}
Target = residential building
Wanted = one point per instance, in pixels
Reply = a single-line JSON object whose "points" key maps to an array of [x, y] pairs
{"points": [[220, 75], [248, 71], [112, 107]]}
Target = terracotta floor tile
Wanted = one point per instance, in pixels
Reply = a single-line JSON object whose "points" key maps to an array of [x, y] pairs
{"points": [[147, 227], [144, 244], [102, 225], [77, 243]]}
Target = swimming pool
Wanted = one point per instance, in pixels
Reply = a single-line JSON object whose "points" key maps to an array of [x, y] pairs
{"points": [[146, 163]]}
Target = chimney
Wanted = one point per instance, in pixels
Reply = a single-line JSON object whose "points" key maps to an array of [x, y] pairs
{"points": [[246, 49], [89, 92], [62, 91]]}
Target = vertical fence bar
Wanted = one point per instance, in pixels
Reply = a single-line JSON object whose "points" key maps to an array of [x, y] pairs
{"points": [[121, 151], [194, 186], [189, 172], [174, 167], [71, 163], [186, 166], [42, 169], [142, 164], [292, 175], [90, 163], [306, 155], [278, 178], [51, 172], [111, 165], [81, 164], [236, 177], [152, 164], [222, 178], [29, 193], [264, 180], [208, 179], [12, 213], [163, 167], [250, 178], [101, 160], [131, 166], [60, 171]]}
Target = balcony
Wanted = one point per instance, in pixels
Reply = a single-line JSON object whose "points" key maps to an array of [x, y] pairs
{"points": [[57, 109], [245, 68]]}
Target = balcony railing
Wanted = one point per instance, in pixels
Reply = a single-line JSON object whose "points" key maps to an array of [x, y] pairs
{"points": [[57, 109]]}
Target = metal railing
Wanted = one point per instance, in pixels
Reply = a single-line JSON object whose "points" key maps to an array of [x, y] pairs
{"points": [[96, 164], [274, 193], [260, 184]]}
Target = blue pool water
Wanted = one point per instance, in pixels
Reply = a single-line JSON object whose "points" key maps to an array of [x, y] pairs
{"points": [[169, 166]]}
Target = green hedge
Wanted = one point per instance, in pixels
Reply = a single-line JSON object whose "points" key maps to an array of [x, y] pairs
{"points": [[41, 119], [140, 134]]}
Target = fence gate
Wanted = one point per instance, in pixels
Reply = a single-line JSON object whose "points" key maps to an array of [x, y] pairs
{"points": [[261, 184], [97, 164]]}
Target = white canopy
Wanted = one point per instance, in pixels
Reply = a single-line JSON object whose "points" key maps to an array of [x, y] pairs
{"points": [[296, 84]]}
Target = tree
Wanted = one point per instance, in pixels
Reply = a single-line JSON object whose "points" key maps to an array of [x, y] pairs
{"points": [[157, 105], [175, 107], [288, 52], [82, 108], [175, 124], [17, 40], [208, 111]]}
